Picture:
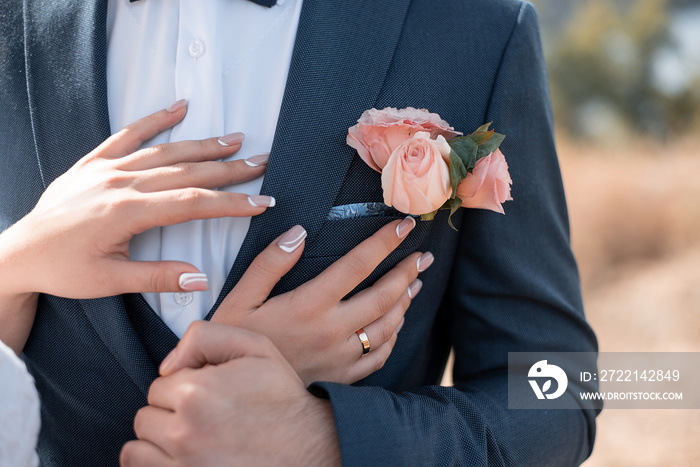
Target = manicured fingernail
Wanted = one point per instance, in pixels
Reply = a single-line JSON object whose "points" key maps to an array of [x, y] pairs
{"points": [[257, 161], [414, 288], [291, 240], [193, 281], [168, 361], [398, 328], [405, 226], [177, 105], [261, 200], [424, 262], [231, 139]]}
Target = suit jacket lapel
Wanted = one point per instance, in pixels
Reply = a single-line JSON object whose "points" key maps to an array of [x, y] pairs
{"points": [[67, 86], [341, 56], [66, 45]]}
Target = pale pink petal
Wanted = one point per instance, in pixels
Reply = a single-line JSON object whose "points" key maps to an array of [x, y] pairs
{"points": [[396, 135], [473, 181], [355, 141], [485, 198], [488, 186]]}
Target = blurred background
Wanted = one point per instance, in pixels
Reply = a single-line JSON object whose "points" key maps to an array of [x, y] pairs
{"points": [[625, 83]]}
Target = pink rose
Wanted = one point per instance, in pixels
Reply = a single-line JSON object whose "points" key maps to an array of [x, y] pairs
{"points": [[416, 178], [379, 132], [488, 186]]}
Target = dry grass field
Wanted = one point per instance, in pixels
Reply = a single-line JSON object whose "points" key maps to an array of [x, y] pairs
{"points": [[635, 219]]}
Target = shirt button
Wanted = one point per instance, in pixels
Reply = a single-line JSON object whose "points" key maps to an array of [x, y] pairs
{"points": [[196, 49], [183, 298]]}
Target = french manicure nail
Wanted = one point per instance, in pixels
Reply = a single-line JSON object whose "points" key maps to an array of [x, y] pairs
{"points": [[231, 139], [405, 226], [398, 328], [257, 161], [414, 288], [177, 105], [424, 262], [291, 240], [168, 361], [193, 281], [261, 200]]}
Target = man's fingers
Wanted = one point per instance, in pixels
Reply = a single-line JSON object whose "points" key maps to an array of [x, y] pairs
{"points": [[144, 454], [341, 277], [212, 343], [186, 204], [133, 136], [152, 424], [210, 174], [262, 275]]}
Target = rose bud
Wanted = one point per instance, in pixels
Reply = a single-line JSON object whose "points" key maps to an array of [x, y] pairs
{"points": [[488, 186]]}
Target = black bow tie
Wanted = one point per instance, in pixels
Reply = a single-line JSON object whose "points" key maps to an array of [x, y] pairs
{"points": [[267, 3]]}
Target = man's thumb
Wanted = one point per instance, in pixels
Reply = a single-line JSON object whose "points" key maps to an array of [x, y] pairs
{"points": [[207, 343]]}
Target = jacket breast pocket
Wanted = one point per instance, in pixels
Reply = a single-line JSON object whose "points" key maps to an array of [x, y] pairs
{"points": [[344, 230], [348, 225]]}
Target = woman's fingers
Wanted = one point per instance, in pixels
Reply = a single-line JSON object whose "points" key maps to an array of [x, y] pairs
{"points": [[162, 155], [376, 301], [373, 361], [133, 136], [341, 277], [201, 174], [262, 275], [177, 206], [381, 330], [154, 276]]}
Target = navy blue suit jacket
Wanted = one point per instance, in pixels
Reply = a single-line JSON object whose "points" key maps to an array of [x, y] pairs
{"points": [[501, 284]]}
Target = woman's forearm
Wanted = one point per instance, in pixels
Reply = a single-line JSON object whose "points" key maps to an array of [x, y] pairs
{"points": [[16, 319], [17, 299]]}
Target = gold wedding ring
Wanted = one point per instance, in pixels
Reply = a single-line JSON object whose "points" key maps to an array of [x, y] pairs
{"points": [[364, 339]]}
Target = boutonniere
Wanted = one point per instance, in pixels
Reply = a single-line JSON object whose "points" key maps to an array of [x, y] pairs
{"points": [[426, 166]]}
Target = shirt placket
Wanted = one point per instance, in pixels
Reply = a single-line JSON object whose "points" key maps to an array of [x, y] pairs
{"points": [[196, 69]]}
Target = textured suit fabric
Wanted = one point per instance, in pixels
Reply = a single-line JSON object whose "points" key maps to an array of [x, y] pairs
{"points": [[267, 3], [501, 284]]}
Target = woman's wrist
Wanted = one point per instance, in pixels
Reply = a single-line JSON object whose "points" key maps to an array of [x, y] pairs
{"points": [[18, 300], [16, 262]]}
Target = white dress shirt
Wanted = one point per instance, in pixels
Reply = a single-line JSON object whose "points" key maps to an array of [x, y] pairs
{"points": [[230, 60]]}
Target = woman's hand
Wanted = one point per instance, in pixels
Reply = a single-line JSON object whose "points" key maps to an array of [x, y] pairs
{"points": [[75, 243], [312, 326]]}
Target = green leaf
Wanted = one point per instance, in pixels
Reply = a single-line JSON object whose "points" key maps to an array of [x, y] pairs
{"points": [[428, 217], [490, 146], [453, 205], [480, 137], [457, 171], [466, 149], [484, 128]]}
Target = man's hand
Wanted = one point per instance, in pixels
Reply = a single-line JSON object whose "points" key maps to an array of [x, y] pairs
{"points": [[227, 397]]}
